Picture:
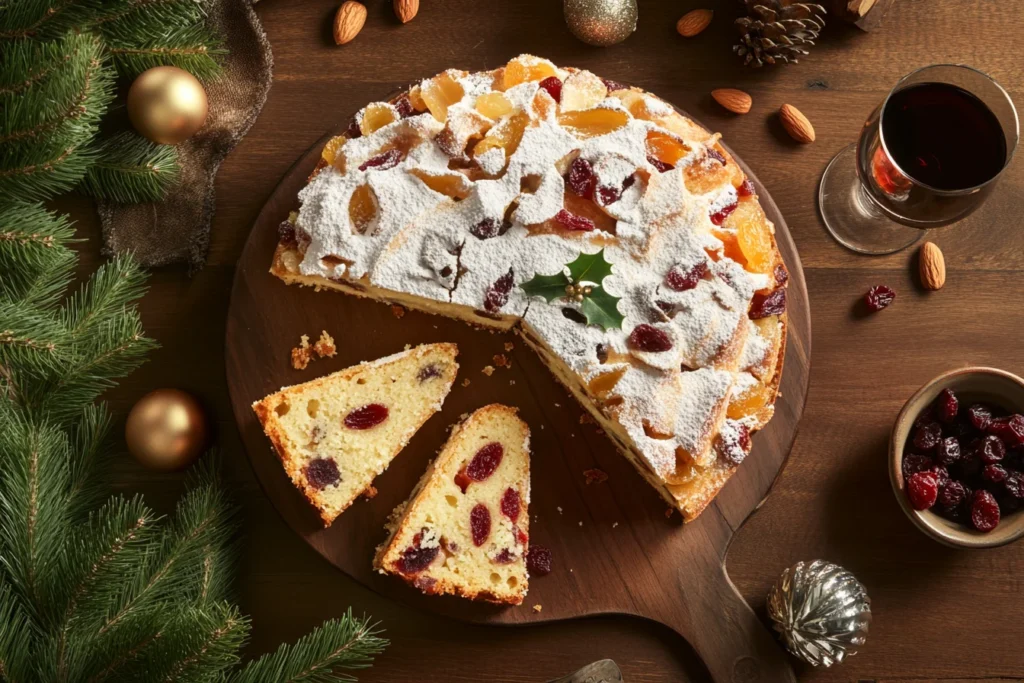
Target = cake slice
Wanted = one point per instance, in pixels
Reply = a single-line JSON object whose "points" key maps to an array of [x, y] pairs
{"points": [[464, 530], [336, 433]]}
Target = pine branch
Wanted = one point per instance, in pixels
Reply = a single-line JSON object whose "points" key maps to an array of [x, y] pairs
{"points": [[201, 644], [44, 18], [130, 169], [348, 643], [15, 638], [36, 266], [89, 439]]}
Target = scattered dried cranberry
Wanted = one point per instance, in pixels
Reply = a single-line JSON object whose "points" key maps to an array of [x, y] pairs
{"points": [[505, 556], [927, 436], [923, 490], [538, 561], [716, 155], [949, 451], [718, 217], [510, 504], [649, 338], [581, 178], [574, 222], [480, 524], [994, 473], [554, 87], [878, 297], [681, 280], [659, 164], [404, 107], [764, 305], [1009, 429], [914, 463], [605, 195], [984, 511], [613, 85], [952, 495], [947, 406], [322, 472], [980, 416], [746, 188], [366, 417], [383, 162], [781, 275], [497, 294], [990, 449], [487, 228], [485, 461]]}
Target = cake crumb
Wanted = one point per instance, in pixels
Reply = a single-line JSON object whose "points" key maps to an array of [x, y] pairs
{"points": [[614, 524], [558, 405], [668, 512], [502, 361], [511, 382], [586, 419], [408, 346], [325, 346], [302, 354], [581, 522], [559, 508], [488, 370], [370, 493], [397, 311], [595, 476], [465, 382], [538, 608], [509, 346]]}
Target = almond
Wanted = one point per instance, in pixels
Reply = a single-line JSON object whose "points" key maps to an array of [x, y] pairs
{"points": [[933, 266], [796, 124], [736, 101], [406, 10], [348, 22], [694, 22]]}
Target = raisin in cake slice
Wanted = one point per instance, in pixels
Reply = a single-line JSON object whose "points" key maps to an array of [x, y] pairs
{"points": [[335, 434], [464, 530]]}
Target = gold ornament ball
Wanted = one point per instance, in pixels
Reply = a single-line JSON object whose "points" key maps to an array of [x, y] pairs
{"points": [[601, 22], [166, 429], [167, 104]]}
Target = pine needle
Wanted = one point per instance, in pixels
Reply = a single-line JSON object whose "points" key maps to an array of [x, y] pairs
{"points": [[130, 169]]}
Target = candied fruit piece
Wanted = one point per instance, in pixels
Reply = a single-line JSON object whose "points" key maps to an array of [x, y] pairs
{"points": [[915, 462], [592, 123], [582, 90], [1009, 429], [681, 280], [984, 511], [946, 405], [602, 385], [553, 86], [666, 149], [506, 135], [649, 338], [331, 149], [366, 417], [538, 561], [453, 185], [923, 490], [750, 401], [764, 305], [480, 524], [878, 297], [510, 504], [383, 161], [497, 293], [581, 178], [362, 208], [754, 237], [322, 472], [927, 436], [485, 461], [493, 105], [525, 68], [948, 452], [573, 221], [439, 93], [376, 116], [980, 416], [746, 189]]}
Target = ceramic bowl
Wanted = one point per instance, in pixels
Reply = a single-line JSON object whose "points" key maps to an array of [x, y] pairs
{"points": [[971, 385]]}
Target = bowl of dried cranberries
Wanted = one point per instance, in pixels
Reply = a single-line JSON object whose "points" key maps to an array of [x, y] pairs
{"points": [[956, 458]]}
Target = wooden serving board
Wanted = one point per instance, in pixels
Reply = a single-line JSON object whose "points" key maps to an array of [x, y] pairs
{"points": [[614, 549]]}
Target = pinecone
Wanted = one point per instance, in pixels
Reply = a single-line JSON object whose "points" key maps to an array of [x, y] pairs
{"points": [[777, 30]]}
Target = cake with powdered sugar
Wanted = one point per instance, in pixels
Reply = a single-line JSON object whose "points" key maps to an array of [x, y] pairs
{"points": [[473, 195]]}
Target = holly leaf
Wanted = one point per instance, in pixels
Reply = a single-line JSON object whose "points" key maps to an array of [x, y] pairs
{"points": [[550, 287], [602, 309], [590, 268]]}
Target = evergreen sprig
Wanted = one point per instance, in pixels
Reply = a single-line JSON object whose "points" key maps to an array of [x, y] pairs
{"points": [[129, 168], [95, 588]]}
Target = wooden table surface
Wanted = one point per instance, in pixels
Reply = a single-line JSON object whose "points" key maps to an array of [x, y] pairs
{"points": [[938, 613]]}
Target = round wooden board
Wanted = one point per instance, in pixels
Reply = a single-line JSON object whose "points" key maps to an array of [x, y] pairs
{"points": [[614, 549]]}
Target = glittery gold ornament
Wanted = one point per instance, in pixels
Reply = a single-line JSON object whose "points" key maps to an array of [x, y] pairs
{"points": [[167, 104], [166, 429], [601, 22]]}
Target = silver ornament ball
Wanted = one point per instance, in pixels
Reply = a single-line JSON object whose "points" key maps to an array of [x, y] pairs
{"points": [[601, 22], [821, 611]]}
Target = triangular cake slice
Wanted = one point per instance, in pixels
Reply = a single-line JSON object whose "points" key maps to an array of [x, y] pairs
{"points": [[465, 528], [335, 434]]}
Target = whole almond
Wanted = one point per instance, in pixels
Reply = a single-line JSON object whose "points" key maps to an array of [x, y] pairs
{"points": [[694, 22], [406, 10], [933, 266], [348, 22], [796, 124], [736, 101]]}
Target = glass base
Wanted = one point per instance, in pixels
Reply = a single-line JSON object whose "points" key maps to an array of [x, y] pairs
{"points": [[852, 216]]}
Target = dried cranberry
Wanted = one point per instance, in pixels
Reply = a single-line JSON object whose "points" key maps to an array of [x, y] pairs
{"points": [[480, 524], [781, 275], [764, 305], [994, 473], [521, 537], [718, 217], [628, 182], [427, 584], [980, 416], [923, 490], [927, 436], [538, 561], [716, 155], [485, 461], [510, 504], [659, 164], [574, 222], [462, 481], [487, 228], [946, 405], [322, 472], [990, 449], [581, 178], [366, 417], [404, 107], [952, 495], [415, 559], [949, 451], [1015, 485], [734, 447], [505, 556], [286, 233], [649, 338], [878, 297], [1009, 429], [984, 511], [681, 280], [353, 131], [601, 351], [383, 162], [941, 475], [606, 195], [428, 372], [914, 463], [612, 86], [746, 188], [554, 87], [497, 294]]}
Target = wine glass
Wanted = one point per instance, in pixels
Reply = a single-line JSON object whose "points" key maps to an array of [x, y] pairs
{"points": [[928, 156]]}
